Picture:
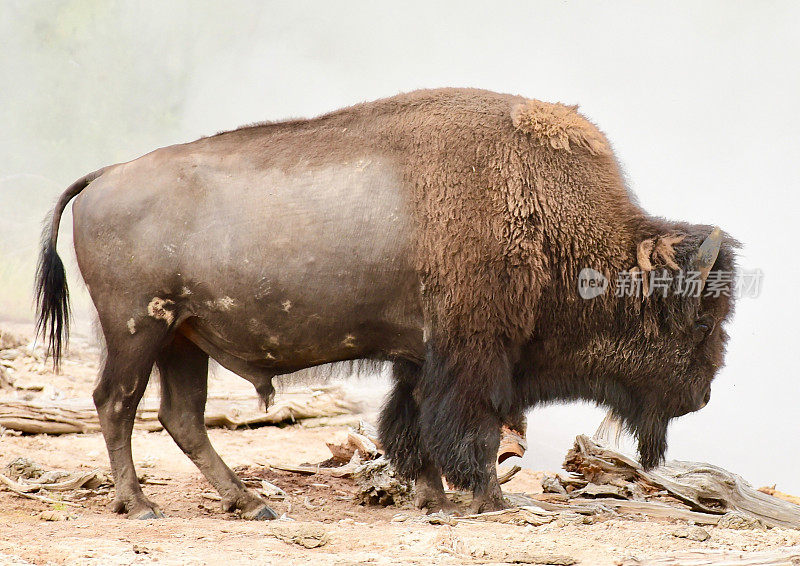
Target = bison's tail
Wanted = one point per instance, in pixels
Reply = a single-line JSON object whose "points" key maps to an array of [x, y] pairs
{"points": [[52, 295]]}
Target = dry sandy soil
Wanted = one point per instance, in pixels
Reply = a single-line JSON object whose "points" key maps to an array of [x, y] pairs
{"points": [[321, 509]]}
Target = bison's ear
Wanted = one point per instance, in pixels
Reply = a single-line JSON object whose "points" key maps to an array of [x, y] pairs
{"points": [[659, 250]]}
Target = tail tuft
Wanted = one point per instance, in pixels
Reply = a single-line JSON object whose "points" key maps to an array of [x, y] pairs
{"points": [[52, 295], [52, 300]]}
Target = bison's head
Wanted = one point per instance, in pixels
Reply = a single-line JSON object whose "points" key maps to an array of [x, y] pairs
{"points": [[670, 339], [649, 347]]}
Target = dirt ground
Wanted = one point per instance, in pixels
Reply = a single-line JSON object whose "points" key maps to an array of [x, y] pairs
{"points": [[325, 524]]}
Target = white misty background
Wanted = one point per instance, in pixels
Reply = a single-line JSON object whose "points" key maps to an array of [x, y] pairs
{"points": [[698, 99]]}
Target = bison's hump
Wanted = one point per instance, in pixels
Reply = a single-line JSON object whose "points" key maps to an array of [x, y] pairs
{"points": [[558, 126]]}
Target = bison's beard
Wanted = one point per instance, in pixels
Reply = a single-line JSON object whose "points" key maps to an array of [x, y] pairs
{"points": [[652, 435]]}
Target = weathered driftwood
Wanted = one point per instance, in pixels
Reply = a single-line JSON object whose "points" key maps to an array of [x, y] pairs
{"points": [[702, 487], [79, 416], [789, 556], [12, 486]]}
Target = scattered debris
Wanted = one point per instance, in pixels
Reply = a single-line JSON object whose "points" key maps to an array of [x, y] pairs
{"points": [[362, 440], [700, 487], [379, 484], [27, 479]]}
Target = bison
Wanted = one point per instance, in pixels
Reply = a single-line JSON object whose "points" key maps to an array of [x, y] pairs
{"points": [[442, 231]]}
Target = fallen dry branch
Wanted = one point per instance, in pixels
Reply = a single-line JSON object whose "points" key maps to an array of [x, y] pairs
{"points": [[507, 476], [79, 416], [702, 487]]}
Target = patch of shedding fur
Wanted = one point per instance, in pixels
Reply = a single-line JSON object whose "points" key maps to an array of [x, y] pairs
{"points": [[160, 309], [131, 326], [558, 126], [287, 304], [222, 304], [185, 291], [349, 341]]}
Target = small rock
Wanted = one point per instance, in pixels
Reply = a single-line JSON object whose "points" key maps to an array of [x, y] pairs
{"points": [[307, 535], [551, 484], [692, 533], [441, 519], [736, 520], [55, 515], [9, 354]]}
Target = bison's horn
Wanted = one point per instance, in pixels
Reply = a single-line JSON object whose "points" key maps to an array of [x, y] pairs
{"points": [[707, 253]]}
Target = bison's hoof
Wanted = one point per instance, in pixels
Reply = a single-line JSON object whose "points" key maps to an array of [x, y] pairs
{"points": [[147, 514], [263, 513], [138, 508], [436, 504], [487, 505]]}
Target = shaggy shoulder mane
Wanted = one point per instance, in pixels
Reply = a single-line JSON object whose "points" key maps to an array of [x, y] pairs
{"points": [[559, 126]]}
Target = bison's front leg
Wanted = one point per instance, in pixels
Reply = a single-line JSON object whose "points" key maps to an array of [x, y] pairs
{"points": [[488, 497], [183, 368], [401, 437], [460, 406]]}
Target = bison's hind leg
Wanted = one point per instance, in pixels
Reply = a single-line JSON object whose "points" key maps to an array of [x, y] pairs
{"points": [[126, 372], [183, 368], [400, 434]]}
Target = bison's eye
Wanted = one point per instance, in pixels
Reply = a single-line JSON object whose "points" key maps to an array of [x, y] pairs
{"points": [[703, 327]]}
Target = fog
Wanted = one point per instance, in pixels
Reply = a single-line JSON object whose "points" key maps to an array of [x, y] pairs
{"points": [[698, 99]]}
